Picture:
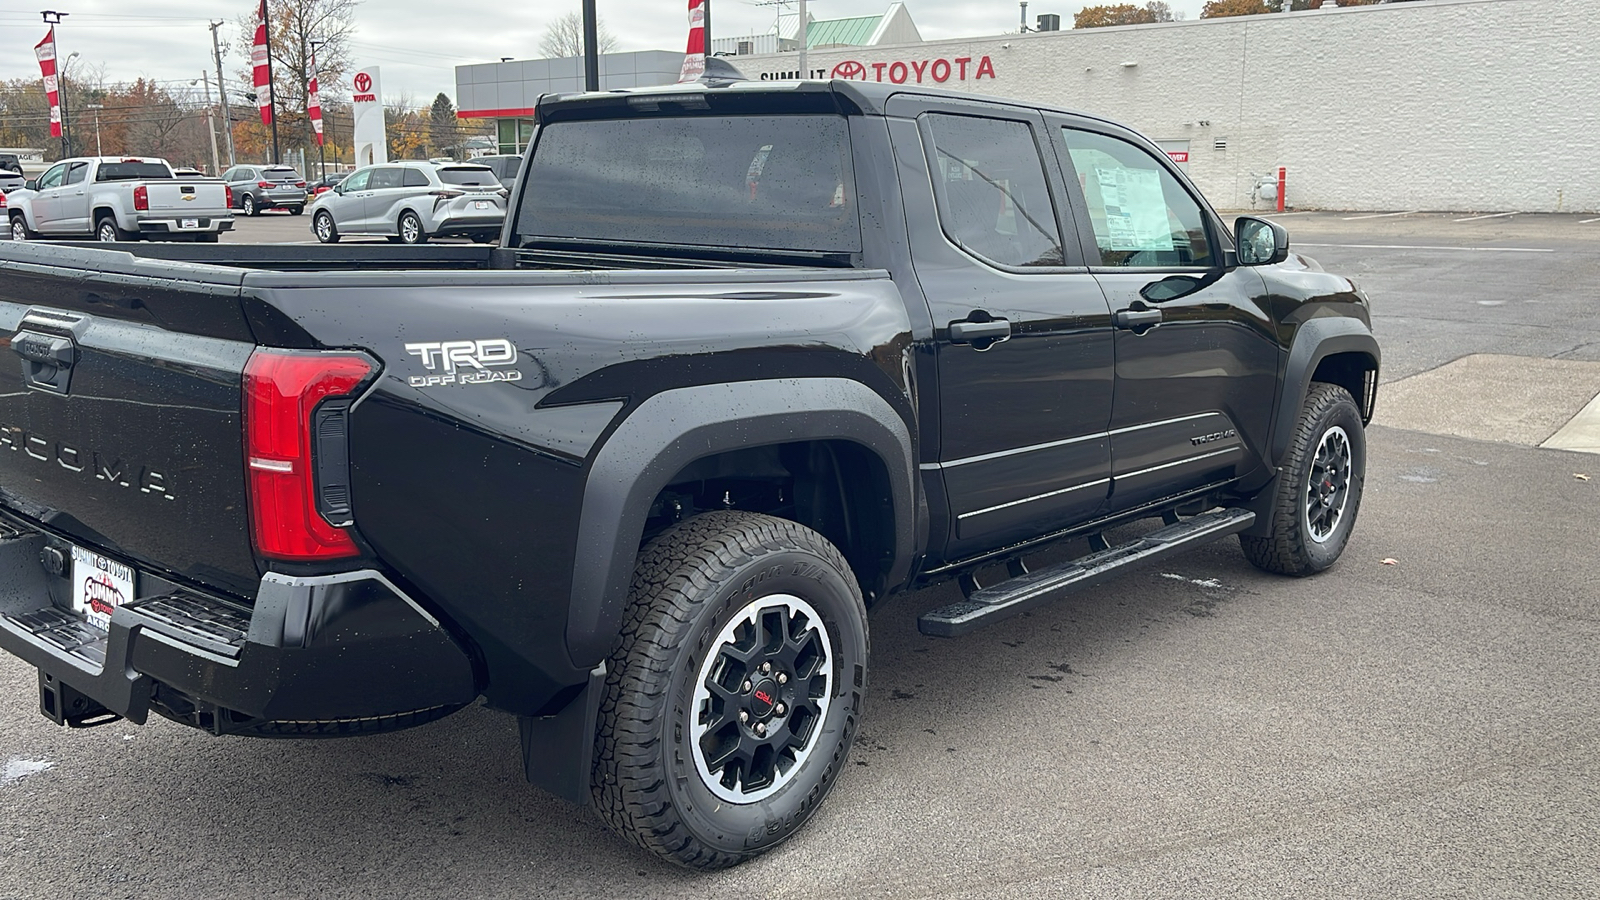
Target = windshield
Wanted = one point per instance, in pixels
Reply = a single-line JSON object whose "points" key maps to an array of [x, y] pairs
{"points": [[760, 182], [469, 176], [132, 171]]}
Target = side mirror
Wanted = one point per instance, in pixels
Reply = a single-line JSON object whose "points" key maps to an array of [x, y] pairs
{"points": [[1261, 242], [31, 184]]}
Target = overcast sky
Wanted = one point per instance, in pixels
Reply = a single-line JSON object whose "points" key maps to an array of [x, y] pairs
{"points": [[419, 43]]}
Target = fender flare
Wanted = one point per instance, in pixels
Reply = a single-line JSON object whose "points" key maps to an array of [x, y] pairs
{"points": [[1315, 341], [673, 429]]}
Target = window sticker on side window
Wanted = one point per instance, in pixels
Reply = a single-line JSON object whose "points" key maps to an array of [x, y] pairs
{"points": [[1136, 210]]}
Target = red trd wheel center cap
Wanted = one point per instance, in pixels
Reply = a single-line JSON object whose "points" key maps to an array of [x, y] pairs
{"points": [[763, 698]]}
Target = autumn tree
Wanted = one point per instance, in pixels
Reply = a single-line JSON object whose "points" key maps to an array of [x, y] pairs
{"points": [[1217, 9], [1122, 14], [294, 26], [564, 38]]}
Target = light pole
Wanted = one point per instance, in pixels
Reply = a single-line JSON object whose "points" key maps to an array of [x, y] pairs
{"points": [[66, 132], [97, 107]]}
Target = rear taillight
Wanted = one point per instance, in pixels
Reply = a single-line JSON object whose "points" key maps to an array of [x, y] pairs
{"points": [[444, 196], [264, 185], [296, 407], [2, 201], [141, 198], [228, 190], [299, 184]]}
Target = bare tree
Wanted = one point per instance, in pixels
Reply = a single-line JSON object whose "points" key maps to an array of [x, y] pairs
{"points": [[295, 24], [564, 38]]}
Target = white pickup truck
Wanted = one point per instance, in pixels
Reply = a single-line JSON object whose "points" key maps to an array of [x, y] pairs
{"points": [[119, 199]]}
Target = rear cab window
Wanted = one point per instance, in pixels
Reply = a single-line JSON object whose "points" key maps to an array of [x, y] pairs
{"points": [[752, 182], [133, 171]]}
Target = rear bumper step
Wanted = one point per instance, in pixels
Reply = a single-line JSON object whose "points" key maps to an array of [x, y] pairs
{"points": [[1009, 598], [325, 655]]}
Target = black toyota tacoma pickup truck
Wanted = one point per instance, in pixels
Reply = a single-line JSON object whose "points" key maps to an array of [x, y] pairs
{"points": [[749, 359]]}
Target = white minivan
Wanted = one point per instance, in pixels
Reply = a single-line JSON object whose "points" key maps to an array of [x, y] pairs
{"points": [[411, 202]]}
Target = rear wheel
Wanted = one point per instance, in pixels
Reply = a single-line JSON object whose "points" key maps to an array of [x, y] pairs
{"points": [[1318, 491], [326, 231], [106, 231], [296, 210], [734, 692], [411, 229], [248, 206]]}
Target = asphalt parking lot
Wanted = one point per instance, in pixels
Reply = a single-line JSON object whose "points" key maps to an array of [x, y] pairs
{"points": [[1423, 720]]}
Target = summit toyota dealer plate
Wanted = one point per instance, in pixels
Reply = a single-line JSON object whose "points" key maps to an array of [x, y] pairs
{"points": [[99, 586]]}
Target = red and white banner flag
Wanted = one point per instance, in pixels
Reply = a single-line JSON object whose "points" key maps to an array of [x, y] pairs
{"points": [[694, 60], [262, 65], [314, 101], [46, 51]]}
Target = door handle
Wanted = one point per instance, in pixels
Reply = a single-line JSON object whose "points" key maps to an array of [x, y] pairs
{"points": [[970, 332], [1136, 319]]}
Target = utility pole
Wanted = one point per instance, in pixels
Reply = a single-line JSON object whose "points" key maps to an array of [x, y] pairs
{"points": [[705, 9], [53, 19], [211, 126], [222, 94]]}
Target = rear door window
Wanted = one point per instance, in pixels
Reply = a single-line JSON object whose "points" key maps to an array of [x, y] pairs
{"points": [[993, 197], [77, 173], [415, 178]]}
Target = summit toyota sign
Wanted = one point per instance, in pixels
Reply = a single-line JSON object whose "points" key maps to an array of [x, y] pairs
{"points": [[939, 70]]}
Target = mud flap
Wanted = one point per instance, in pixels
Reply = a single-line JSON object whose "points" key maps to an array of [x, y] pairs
{"points": [[558, 750]]}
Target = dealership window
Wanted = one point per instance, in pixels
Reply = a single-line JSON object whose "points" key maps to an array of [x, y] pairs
{"points": [[514, 135], [993, 201], [1142, 216]]}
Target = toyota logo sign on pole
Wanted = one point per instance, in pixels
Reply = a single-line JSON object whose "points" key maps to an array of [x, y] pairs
{"points": [[371, 135]]}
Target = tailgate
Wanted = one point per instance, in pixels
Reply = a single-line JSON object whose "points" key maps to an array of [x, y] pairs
{"points": [[120, 396], [186, 196]]}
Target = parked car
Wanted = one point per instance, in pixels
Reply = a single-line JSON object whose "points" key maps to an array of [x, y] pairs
{"points": [[10, 181], [505, 166], [326, 183], [257, 188], [413, 202], [5, 235], [119, 199], [748, 364]]}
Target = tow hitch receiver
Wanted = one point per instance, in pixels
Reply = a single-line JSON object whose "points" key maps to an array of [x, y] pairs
{"points": [[63, 705]]}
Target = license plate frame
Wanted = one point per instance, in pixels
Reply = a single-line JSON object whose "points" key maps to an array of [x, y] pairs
{"points": [[99, 586], [480, 204], [188, 223]]}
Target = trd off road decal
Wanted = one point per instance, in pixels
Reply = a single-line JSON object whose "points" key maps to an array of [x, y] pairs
{"points": [[465, 362]]}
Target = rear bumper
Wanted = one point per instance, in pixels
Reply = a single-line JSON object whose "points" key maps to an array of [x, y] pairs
{"points": [[449, 225], [315, 656], [207, 225], [280, 201]]}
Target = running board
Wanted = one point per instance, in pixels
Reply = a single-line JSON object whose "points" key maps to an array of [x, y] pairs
{"points": [[1008, 598]]}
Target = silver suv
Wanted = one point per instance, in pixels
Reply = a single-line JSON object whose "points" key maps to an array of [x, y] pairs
{"points": [[412, 202], [256, 188]]}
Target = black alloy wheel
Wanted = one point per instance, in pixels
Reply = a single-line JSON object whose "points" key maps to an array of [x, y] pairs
{"points": [[734, 691]]}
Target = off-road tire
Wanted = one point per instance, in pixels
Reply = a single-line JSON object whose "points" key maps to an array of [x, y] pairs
{"points": [[688, 584], [1290, 549]]}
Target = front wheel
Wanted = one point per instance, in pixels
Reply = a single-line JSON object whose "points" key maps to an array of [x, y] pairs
{"points": [[19, 228], [1318, 491], [325, 230], [410, 228], [734, 692]]}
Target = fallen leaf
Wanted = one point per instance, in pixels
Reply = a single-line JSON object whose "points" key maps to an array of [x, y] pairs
{"points": [[1391, 562], [1580, 476]]}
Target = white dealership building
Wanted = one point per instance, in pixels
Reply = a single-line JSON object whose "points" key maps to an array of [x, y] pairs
{"points": [[1432, 105]]}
